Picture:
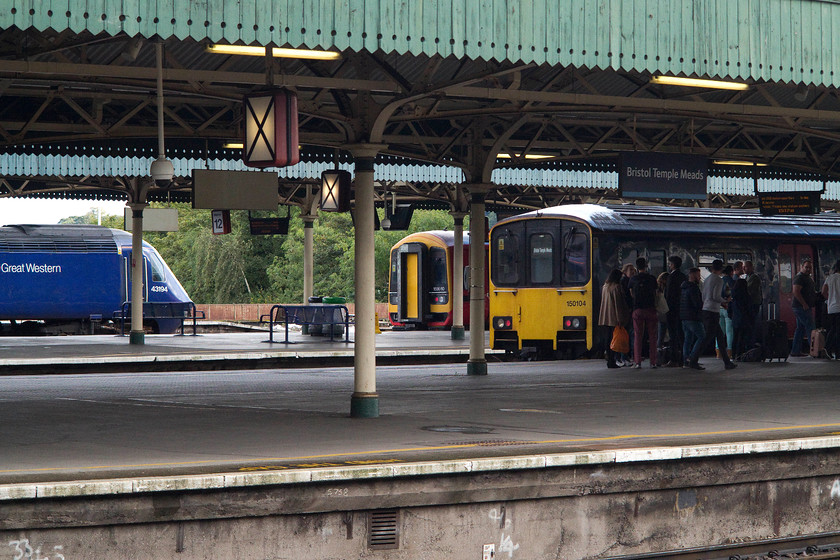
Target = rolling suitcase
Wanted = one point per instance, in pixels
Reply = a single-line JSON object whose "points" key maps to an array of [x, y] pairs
{"points": [[818, 344], [775, 344]]}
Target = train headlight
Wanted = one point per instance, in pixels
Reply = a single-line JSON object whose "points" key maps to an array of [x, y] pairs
{"points": [[574, 323], [502, 323]]}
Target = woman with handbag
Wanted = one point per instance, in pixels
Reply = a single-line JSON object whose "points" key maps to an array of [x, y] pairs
{"points": [[614, 313]]}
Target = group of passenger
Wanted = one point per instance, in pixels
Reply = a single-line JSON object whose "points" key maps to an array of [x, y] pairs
{"points": [[804, 303], [726, 308]]}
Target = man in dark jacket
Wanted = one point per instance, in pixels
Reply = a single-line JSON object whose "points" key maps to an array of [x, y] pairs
{"points": [[691, 303], [643, 289], [673, 287]]}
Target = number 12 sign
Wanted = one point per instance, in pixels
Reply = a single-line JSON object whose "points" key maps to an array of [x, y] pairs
{"points": [[221, 221]]}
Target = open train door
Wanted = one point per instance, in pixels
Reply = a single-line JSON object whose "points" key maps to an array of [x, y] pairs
{"points": [[791, 258], [411, 302]]}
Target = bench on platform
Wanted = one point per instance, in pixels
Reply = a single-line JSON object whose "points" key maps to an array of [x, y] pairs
{"points": [[324, 314]]}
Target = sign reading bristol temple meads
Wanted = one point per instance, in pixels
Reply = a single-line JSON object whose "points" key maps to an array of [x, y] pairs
{"points": [[654, 175]]}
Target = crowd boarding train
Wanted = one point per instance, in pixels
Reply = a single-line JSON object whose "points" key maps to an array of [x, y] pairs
{"points": [[547, 266], [67, 279]]}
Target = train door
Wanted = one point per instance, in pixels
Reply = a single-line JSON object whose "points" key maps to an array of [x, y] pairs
{"points": [[127, 267], [542, 270], [791, 258], [410, 282]]}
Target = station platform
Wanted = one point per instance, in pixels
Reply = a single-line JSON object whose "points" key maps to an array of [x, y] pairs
{"points": [[43, 354], [61, 426]]}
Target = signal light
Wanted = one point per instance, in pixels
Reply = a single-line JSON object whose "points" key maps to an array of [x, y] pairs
{"points": [[574, 323], [502, 323]]}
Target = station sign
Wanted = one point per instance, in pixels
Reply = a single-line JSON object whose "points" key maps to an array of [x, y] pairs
{"points": [[655, 175], [800, 203], [221, 221]]}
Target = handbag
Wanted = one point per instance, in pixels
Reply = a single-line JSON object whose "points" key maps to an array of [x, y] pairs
{"points": [[661, 305], [620, 341]]}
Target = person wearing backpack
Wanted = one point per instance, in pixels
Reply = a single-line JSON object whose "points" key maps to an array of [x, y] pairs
{"points": [[645, 319]]}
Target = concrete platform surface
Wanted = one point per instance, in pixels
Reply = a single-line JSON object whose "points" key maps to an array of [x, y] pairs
{"points": [[65, 427], [85, 352]]}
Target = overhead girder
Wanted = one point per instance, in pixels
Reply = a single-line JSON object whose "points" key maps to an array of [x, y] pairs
{"points": [[63, 88]]}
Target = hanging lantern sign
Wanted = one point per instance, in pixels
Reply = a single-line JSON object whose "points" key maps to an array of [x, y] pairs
{"points": [[271, 129], [335, 190]]}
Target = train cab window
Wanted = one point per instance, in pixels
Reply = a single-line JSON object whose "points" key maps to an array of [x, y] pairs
{"points": [[575, 255], [440, 284], [392, 284], [157, 269], [541, 251], [785, 273], [505, 257]]}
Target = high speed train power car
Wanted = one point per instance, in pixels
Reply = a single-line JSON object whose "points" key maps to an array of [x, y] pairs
{"points": [[66, 278]]}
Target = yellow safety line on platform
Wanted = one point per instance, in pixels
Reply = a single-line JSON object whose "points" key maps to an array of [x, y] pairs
{"points": [[432, 448]]}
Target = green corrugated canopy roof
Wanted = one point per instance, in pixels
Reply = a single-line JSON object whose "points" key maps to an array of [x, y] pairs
{"points": [[770, 40]]}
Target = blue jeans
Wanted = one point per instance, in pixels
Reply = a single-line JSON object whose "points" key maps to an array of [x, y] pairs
{"points": [[804, 326], [694, 333]]}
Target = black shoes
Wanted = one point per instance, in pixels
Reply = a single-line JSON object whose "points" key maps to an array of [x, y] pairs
{"points": [[730, 365]]}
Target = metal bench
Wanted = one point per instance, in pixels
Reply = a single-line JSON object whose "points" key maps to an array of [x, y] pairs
{"points": [[326, 314]]}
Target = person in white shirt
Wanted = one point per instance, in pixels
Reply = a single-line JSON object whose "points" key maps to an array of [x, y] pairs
{"points": [[710, 315], [831, 293]]}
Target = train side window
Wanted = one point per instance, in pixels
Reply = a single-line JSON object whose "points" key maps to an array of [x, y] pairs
{"points": [[785, 273], [157, 268], [505, 258], [734, 256], [541, 250], [704, 262], [656, 263], [575, 256]]}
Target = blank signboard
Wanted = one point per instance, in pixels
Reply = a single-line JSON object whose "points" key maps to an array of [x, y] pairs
{"points": [[234, 190]]}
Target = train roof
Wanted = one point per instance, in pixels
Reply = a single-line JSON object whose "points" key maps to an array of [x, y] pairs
{"points": [[630, 219], [446, 237], [56, 238]]}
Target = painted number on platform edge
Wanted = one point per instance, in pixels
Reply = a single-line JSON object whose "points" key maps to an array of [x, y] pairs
{"points": [[337, 492], [23, 550]]}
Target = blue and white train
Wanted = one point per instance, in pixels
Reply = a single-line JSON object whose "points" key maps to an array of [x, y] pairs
{"points": [[69, 278]]}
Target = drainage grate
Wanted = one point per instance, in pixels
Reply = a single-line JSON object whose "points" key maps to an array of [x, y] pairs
{"points": [[384, 532]]}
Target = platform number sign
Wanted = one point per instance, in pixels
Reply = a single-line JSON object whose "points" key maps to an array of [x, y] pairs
{"points": [[221, 221]]}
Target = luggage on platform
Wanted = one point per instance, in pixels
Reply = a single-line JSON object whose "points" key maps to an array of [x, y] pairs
{"points": [[775, 343], [818, 344]]}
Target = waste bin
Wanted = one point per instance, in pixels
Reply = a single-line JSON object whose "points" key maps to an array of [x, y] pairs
{"points": [[338, 330], [313, 330]]}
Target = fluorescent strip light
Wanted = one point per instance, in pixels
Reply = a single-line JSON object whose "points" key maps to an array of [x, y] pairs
{"points": [[527, 156], [696, 82], [737, 162], [233, 145], [275, 51]]}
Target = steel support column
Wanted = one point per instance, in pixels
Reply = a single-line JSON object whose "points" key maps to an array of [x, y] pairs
{"points": [[477, 364], [457, 289], [137, 335], [364, 402]]}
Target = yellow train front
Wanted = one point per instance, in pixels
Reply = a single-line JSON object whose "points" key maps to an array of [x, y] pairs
{"points": [[541, 296]]}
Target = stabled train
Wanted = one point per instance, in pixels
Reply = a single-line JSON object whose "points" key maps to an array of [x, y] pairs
{"points": [[420, 281], [66, 278], [547, 266]]}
